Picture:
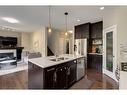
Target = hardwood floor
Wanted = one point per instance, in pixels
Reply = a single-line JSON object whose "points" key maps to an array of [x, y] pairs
{"points": [[101, 81], [16, 80], [93, 80]]}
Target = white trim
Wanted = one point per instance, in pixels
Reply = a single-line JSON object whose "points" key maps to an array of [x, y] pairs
{"points": [[107, 30], [9, 51]]}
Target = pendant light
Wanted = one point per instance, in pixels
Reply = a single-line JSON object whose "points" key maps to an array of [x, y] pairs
{"points": [[66, 14], [49, 28]]}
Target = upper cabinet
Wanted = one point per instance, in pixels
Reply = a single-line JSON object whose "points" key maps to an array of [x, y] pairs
{"points": [[96, 30], [82, 31]]}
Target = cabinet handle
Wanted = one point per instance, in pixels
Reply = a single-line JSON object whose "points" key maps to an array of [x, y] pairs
{"points": [[65, 68], [68, 72], [55, 77], [75, 61], [50, 69]]}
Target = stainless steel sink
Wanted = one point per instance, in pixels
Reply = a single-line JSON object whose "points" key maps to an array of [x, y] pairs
{"points": [[63, 58], [59, 59]]}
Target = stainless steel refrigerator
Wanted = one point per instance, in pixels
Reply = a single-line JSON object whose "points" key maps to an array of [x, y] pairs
{"points": [[80, 48]]}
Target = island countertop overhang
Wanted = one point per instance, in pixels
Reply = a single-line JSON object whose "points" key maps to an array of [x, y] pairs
{"points": [[45, 62]]}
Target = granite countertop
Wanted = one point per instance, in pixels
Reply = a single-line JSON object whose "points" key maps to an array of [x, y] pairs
{"points": [[44, 62]]}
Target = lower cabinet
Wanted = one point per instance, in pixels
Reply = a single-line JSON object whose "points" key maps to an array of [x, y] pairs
{"points": [[35, 76], [49, 76], [71, 73], [95, 62], [60, 76]]}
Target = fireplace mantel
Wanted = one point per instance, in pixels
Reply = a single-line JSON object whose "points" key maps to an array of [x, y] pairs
{"points": [[2, 48]]}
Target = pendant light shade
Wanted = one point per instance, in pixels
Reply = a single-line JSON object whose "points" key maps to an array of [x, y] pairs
{"points": [[49, 28], [66, 14]]}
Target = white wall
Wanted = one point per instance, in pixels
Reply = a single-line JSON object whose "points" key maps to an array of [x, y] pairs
{"points": [[12, 34], [53, 40], [39, 41]]}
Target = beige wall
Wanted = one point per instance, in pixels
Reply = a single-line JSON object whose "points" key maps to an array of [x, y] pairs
{"points": [[117, 16], [57, 41], [11, 34], [25, 40], [38, 40]]}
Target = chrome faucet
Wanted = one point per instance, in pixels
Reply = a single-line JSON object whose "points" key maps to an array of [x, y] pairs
{"points": [[56, 55]]}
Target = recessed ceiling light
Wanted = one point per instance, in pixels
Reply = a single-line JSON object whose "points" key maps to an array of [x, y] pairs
{"points": [[70, 31], [102, 8], [10, 20], [78, 20]]}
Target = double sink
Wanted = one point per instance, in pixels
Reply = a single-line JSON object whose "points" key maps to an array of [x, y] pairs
{"points": [[59, 59]]}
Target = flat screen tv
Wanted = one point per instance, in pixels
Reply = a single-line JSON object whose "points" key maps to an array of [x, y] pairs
{"points": [[8, 41]]}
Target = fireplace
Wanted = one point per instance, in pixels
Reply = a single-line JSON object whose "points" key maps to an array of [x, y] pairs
{"points": [[7, 59], [7, 55]]}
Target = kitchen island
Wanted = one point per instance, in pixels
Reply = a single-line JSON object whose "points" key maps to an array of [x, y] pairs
{"points": [[53, 73]]}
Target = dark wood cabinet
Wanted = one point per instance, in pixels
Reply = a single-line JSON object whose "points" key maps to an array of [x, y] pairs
{"points": [[96, 30], [82, 31], [71, 72], [49, 75], [60, 76], [35, 76], [95, 62]]}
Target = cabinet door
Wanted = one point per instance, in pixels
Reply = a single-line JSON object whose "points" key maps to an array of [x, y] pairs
{"points": [[85, 28], [71, 73], [35, 76], [61, 78], [77, 32], [82, 31], [49, 78], [96, 30]]}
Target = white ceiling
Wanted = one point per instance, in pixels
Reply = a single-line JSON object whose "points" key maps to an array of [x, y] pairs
{"points": [[34, 17]]}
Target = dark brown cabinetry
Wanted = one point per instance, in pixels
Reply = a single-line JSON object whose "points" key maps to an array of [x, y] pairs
{"points": [[95, 62], [49, 76], [35, 76], [82, 31], [60, 76], [93, 33], [96, 30], [71, 73]]}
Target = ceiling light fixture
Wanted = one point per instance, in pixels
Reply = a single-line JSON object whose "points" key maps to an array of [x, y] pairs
{"points": [[66, 34], [49, 28], [102, 8], [78, 20], [70, 31], [6, 28], [66, 14], [10, 20]]}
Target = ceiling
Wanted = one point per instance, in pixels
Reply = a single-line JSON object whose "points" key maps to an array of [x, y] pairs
{"points": [[32, 18]]}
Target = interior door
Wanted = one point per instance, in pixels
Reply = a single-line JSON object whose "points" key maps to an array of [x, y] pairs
{"points": [[110, 48]]}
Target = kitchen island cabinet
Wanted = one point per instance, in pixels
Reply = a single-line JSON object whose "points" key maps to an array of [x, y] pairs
{"points": [[58, 76]]}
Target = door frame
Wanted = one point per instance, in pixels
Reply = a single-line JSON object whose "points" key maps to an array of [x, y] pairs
{"points": [[105, 71]]}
